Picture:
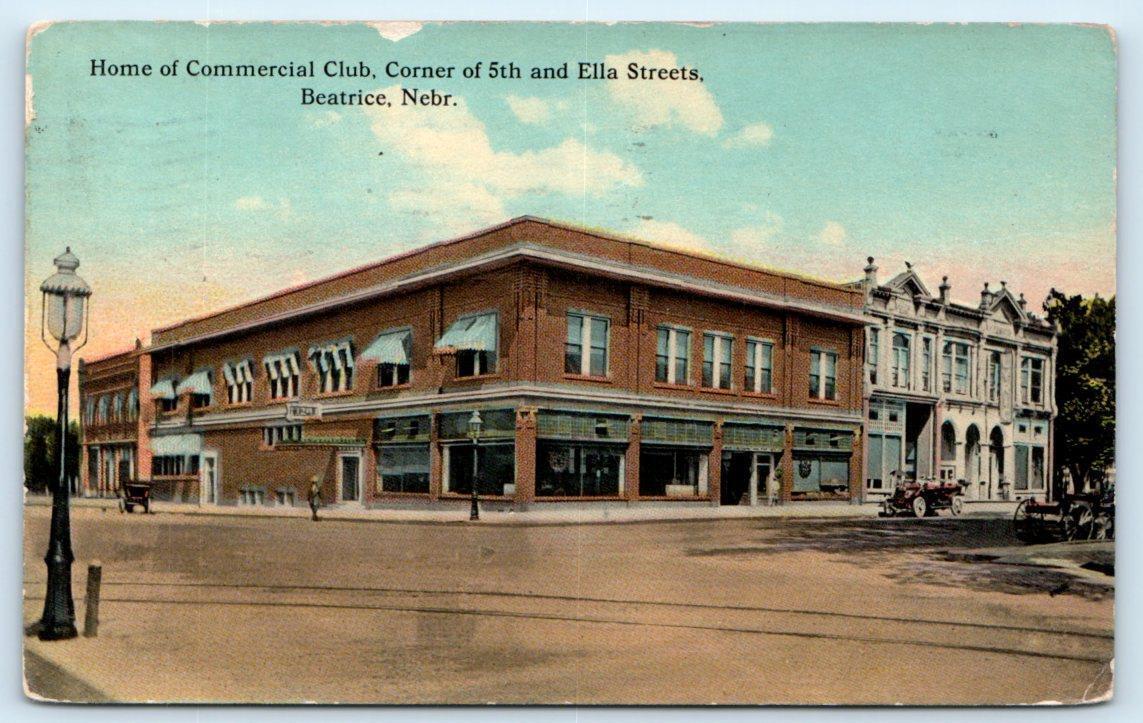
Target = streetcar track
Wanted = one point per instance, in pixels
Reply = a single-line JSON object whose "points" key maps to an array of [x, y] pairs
{"points": [[484, 612], [612, 601]]}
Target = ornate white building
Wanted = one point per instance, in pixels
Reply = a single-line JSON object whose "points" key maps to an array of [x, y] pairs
{"points": [[957, 392]]}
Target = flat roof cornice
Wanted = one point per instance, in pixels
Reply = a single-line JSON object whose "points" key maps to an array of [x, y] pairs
{"points": [[543, 254]]}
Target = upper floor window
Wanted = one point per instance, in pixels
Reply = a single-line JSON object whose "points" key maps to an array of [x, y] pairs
{"points": [[101, 410], [475, 338], [823, 374], [759, 366], [283, 374], [334, 365], [281, 434], [392, 351], [955, 367], [994, 376], [902, 348], [716, 360], [926, 363], [1032, 380], [117, 407], [164, 395], [89, 410], [200, 386], [673, 355], [239, 381], [874, 353], [585, 351]]}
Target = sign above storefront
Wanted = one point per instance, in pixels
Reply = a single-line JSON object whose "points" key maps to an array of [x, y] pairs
{"points": [[297, 411]]}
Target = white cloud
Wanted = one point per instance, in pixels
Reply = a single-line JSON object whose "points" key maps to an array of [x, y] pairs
{"points": [[755, 134], [663, 102], [259, 204], [465, 179], [396, 30], [832, 234], [325, 119], [529, 110], [670, 234], [251, 203]]}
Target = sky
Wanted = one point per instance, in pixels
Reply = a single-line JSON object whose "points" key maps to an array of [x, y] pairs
{"points": [[984, 152]]}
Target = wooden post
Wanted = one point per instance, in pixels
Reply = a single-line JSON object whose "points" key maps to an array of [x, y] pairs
{"points": [[91, 616]]}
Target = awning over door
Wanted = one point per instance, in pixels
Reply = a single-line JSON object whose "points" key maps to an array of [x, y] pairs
{"points": [[164, 389], [473, 333], [197, 383], [389, 348], [176, 445]]}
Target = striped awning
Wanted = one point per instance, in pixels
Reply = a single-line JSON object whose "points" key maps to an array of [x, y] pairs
{"points": [[471, 333], [197, 383], [237, 372], [284, 363], [336, 353], [389, 348], [176, 445], [164, 389]]}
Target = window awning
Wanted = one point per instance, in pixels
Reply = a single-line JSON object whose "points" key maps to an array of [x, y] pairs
{"points": [[197, 383], [285, 362], [176, 445], [389, 348], [326, 354], [471, 333], [164, 389], [238, 372]]}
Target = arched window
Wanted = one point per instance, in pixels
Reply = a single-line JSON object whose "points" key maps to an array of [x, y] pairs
{"points": [[948, 442], [901, 349]]}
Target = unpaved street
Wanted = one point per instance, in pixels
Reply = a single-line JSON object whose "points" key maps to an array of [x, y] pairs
{"points": [[725, 611]]}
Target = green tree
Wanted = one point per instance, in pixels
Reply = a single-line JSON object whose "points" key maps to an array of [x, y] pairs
{"points": [[1084, 436], [40, 449]]}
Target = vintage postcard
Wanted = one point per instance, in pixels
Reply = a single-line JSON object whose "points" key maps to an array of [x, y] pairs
{"points": [[635, 363]]}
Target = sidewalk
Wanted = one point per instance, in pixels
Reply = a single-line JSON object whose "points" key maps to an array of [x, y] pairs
{"points": [[555, 513]]}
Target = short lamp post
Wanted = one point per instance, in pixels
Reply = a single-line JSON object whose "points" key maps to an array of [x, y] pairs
{"points": [[64, 313], [475, 424]]}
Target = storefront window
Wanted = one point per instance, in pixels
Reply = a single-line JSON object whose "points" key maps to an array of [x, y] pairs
{"points": [[496, 469], [672, 472], [820, 476], [403, 468], [571, 469]]}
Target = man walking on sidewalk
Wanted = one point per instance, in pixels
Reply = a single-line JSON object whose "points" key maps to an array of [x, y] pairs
{"points": [[315, 496]]}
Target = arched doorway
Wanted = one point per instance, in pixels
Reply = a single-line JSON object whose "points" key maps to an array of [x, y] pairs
{"points": [[948, 451], [972, 461], [995, 461]]}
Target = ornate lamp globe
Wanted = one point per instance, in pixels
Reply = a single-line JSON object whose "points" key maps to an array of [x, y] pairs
{"points": [[475, 424], [65, 296]]}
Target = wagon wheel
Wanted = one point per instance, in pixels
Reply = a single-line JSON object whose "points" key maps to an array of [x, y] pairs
{"points": [[920, 506], [1078, 522], [1022, 523], [957, 505]]}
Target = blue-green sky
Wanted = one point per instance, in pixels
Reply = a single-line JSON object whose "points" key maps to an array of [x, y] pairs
{"points": [[985, 152]]}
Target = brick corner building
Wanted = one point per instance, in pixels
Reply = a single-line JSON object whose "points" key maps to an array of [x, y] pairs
{"points": [[604, 369]]}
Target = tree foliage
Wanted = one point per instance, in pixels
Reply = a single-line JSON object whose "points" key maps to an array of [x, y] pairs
{"points": [[1084, 437], [40, 452]]}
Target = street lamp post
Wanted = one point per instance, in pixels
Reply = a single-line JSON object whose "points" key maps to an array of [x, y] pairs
{"points": [[475, 423], [64, 308]]}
